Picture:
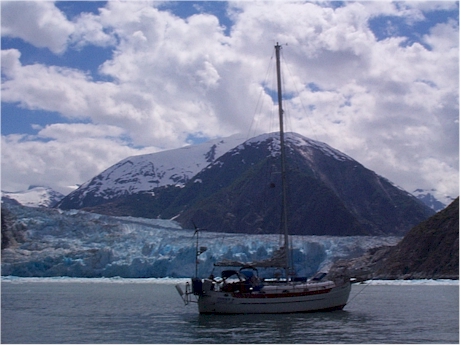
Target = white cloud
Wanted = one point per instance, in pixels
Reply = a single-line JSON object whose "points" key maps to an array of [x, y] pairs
{"points": [[73, 132], [50, 88], [37, 22], [88, 29], [62, 155], [392, 107]]}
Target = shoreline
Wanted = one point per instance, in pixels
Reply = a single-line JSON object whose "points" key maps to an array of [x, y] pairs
{"points": [[167, 280]]}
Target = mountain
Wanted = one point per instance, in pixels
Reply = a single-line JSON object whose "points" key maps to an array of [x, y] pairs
{"points": [[427, 197], [44, 242], [34, 196], [240, 191], [430, 250], [145, 173]]}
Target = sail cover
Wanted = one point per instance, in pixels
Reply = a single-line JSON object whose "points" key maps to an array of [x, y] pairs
{"points": [[278, 260]]}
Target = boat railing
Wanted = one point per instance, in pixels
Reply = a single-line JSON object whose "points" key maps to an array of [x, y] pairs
{"points": [[187, 295]]}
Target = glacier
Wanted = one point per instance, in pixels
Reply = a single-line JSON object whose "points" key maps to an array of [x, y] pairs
{"points": [[75, 243]]}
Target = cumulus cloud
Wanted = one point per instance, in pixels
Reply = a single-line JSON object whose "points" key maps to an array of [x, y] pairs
{"points": [[88, 30], [39, 23], [62, 155], [391, 105], [50, 88]]}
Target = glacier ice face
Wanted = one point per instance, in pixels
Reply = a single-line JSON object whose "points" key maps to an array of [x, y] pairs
{"points": [[80, 244]]}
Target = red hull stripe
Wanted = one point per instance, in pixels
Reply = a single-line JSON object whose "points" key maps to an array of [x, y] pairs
{"points": [[279, 295], [333, 308]]}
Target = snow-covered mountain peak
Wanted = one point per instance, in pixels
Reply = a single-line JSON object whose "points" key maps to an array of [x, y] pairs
{"points": [[247, 173], [145, 172], [293, 140], [177, 166], [35, 196], [304, 142], [428, 197]]}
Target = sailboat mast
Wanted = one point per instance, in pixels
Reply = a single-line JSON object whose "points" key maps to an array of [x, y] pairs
{"points": [[283, 161]]}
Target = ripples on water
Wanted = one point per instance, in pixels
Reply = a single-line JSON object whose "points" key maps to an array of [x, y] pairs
{"points": [[150, 311]]}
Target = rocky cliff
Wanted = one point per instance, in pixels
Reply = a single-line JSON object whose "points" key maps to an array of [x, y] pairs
{"points": [[429, 251]]}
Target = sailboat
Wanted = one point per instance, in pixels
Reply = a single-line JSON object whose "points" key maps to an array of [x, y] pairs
{"points": [[243, 291]]}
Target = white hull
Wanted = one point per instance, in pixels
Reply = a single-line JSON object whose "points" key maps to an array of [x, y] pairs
{"points": [[300, 299]]}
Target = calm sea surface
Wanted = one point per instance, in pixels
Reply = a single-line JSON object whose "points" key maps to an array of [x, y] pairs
{"points": [[151, 311]]}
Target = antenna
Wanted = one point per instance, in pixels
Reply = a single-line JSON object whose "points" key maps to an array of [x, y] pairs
{"points": [[198, 250]]}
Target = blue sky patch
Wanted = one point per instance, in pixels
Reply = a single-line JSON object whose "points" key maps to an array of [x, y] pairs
{"points": [[185, 9], [19, 120], [384, 27]]}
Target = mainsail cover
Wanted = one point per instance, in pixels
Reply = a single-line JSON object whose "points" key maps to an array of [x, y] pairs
{"points": [[278, 260]]}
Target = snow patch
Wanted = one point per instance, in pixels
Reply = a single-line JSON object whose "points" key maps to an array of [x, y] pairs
{"points": [[35, 196]]}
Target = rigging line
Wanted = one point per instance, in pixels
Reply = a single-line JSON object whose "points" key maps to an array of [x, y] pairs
{"points": [[292, 264], [286, 110], [287, 126], [259, 103], [300, 99], [368, 284], [258, 110], [272, 87]]}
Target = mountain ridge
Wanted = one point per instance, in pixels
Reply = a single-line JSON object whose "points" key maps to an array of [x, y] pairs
{"points": [[239, 191], [327, 187], [140, 173], [427, 196], [35, 196]]}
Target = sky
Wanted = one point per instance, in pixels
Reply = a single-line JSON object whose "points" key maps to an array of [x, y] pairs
{"points": [[86, 84]]}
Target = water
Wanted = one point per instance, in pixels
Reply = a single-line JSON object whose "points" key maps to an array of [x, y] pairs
{"points": [[151, 311]]}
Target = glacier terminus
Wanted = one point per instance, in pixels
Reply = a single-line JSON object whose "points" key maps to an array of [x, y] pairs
{"points": [[50, 242]]}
